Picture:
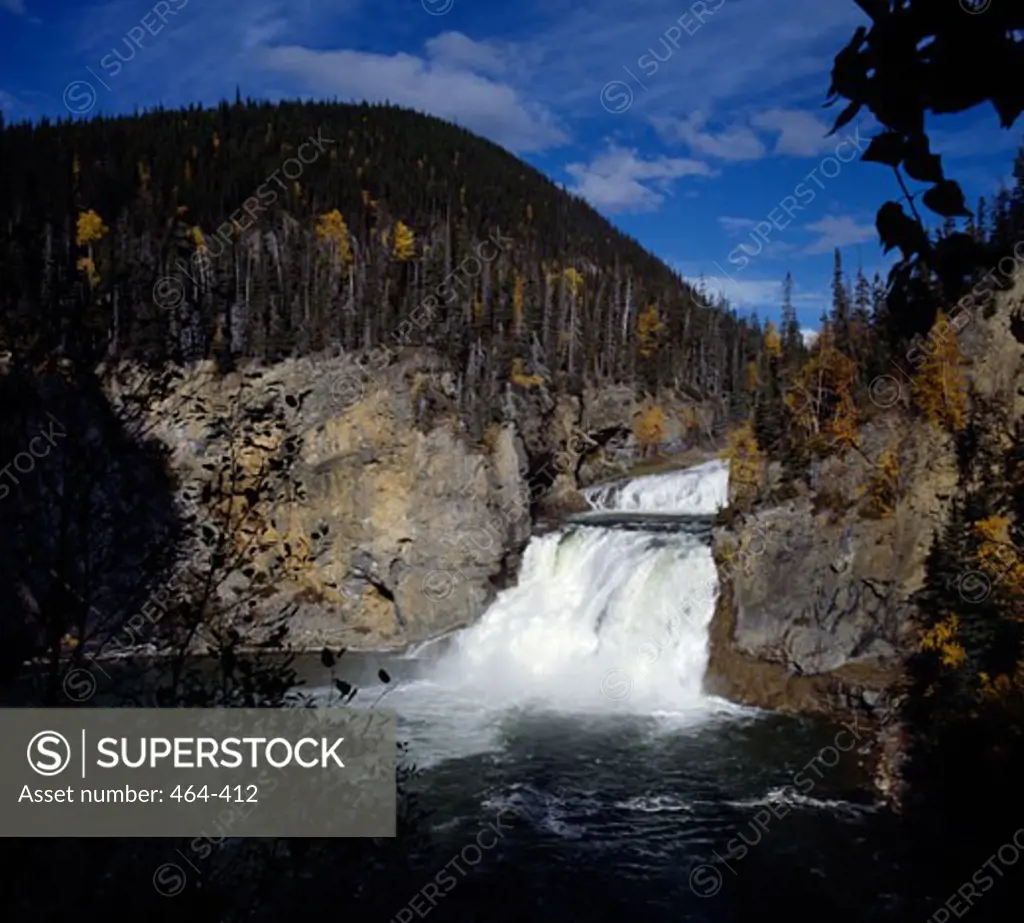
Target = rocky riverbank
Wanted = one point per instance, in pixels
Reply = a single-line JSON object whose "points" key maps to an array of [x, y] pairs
{"points": [[817, 606]]}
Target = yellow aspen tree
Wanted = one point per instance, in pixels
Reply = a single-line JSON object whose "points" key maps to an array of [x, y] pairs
{"points": [[87, 267], [573, 282], [331, 228], [883, 487], [89, 229], [649, 330], [746, 463], [821, 398], [939, 388], [999, 556], [405, 243], [772, 341], [843, 429], [649, 427], [943, 639]]}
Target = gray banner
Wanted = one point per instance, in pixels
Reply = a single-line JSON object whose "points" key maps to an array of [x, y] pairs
{"points": [[247, 772]]}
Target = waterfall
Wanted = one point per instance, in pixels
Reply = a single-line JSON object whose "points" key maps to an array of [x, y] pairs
{"points": [[700, 490], [604, 617]]}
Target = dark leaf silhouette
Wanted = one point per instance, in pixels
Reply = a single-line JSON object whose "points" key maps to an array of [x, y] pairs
{"points": [[383, 676], [845, 117], [327, 658], [897, 229], [947, 199], [886, 148], [920, 163]]}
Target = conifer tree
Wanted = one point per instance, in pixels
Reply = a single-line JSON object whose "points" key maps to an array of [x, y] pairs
{"points": [[792, 341], [841, 309]]}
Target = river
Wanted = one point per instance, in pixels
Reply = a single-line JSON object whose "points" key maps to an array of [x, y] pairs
{"points": [[571, 766]]}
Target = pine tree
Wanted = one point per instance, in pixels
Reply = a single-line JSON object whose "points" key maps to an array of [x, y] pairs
{"points": [[792, 341], [769, 408], [980, 221], [840, 317]]}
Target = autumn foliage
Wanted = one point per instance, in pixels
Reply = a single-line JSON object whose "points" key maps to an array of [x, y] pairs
{"points": [[89, 229], [649, 330], [940, 388], [746, 464], [821, 398], [883, 487], [649, 427], [404, 247], [332, 228]]}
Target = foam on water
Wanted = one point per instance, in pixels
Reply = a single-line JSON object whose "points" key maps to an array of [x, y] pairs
{"points": [[601, 621], [600, 618]]}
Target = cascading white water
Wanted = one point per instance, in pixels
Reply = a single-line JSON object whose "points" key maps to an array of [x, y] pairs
{"points": [[604, 615], [700, 490]]}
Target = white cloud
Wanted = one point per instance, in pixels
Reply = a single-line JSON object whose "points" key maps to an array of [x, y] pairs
{"points": [[737, 142], [983, 136], [495, 110], [734, 226], [797, 134], [838, 231], [727, 60], [809, 336], [800, 134], [746, 295], [619, 180], [457, 50]]}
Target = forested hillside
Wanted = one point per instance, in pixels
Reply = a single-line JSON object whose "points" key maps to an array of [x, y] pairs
{"points": [[256, 230], [259, 230]]}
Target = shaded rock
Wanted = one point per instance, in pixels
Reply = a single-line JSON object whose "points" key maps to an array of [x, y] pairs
{"points": [[815, 613], [403, 525]]}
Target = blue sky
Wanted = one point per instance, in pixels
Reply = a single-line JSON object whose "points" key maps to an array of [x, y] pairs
{"points": [[691, 125]]}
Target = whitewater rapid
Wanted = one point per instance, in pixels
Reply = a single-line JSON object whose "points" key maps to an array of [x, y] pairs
{"points": [[604, 622], [603, 617]]}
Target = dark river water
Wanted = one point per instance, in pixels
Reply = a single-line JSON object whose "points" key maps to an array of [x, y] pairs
{"points": [[722, 814]]}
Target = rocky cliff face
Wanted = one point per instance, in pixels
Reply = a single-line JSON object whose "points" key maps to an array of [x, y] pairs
{"points": [[403, 526], [406, 524], [814, 613], [816, 608]]}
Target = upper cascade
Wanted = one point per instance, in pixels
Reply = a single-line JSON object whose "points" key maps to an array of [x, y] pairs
{"points": [[702, 490]]}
